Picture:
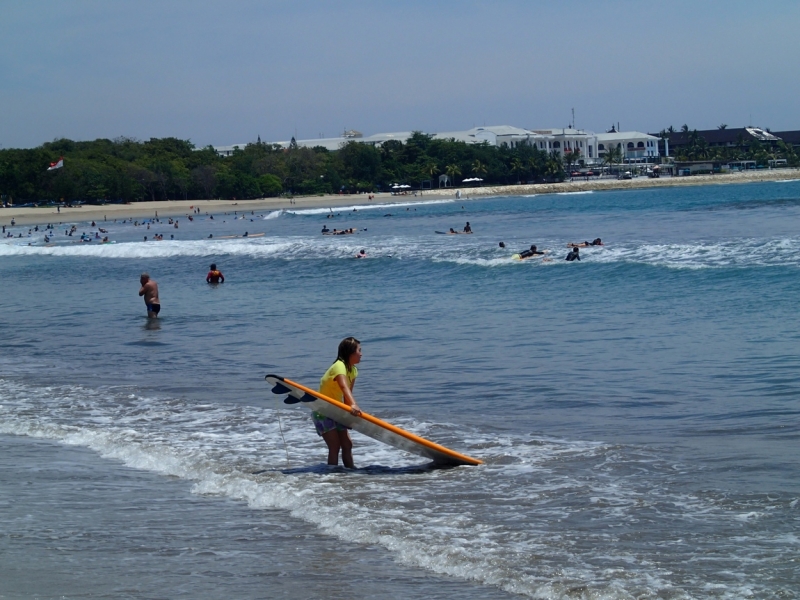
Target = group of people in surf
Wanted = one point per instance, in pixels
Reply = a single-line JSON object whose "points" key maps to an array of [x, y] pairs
{"points": [[352, 230], [574, 253], [95, 236], [467, 229]]}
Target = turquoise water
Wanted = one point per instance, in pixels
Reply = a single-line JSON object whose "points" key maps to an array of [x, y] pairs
{"points": [[638, 412]]}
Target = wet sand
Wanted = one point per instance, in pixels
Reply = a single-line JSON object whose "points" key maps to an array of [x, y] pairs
{"points": [[183, 208]]}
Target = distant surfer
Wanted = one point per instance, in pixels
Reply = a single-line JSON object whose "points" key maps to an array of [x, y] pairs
{"points": [[467, 228], [362, 254], [215, 275], [573, 254], [530, 252], [149, 290], [337, 383], [585, 244]]}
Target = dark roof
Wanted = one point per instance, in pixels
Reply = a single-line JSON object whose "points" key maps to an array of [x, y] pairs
{"points": [[721, 136], [790, 137]]}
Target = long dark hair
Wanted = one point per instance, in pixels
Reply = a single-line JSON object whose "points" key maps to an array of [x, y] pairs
{"points": [[347, 347]]}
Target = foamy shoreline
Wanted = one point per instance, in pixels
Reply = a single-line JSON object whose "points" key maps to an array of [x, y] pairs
{"points": [[180, 208]]}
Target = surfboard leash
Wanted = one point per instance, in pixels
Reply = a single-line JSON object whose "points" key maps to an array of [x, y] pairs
{"points": [[280, 426]]}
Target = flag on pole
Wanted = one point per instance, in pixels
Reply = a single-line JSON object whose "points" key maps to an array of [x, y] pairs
{"points": [[56, 165]]}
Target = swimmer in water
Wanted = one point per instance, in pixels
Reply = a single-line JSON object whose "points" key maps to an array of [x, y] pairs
{"points": [[215, 275], [149, 290], [573, 255], [362, 254]]}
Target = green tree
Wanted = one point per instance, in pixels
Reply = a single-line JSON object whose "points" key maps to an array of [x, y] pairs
{"points": [[478, 168], [612, 156], [571, 157], [453, 171]]}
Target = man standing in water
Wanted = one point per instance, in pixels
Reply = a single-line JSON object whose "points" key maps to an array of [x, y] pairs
{"points": [[149, 290]]}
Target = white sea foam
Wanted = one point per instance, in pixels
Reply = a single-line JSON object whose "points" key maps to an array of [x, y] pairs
{"points": [[507, 523], [742, 253], [360, 207], [701, 255]]}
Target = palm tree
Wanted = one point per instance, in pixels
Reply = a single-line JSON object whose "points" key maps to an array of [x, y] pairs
{"points": [[478, 168], [722, 126], [612, 156], [570, 158], [430, 169], [517, 167], [554, 169], [537, 164], [453, 171]]}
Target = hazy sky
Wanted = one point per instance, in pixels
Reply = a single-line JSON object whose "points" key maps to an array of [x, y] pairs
{"points": [[224, 72]]}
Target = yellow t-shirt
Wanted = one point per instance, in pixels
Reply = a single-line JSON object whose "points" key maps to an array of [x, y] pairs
{"points": [[328, 385]]}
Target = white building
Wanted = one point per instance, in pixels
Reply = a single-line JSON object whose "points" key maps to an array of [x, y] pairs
{"points": [[635, 145], [567, 140], [590, 147]]}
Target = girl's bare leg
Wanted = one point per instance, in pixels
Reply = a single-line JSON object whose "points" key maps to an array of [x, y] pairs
{"points": [[347, 449], [332, 439]]}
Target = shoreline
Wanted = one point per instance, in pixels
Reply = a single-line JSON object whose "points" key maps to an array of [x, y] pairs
{"points": [[182, 208]]}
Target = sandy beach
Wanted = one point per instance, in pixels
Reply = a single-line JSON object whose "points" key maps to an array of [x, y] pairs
{"points": [[179, 208]]}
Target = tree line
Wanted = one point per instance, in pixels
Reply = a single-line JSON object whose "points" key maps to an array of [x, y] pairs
{"points": [[130, 170]]}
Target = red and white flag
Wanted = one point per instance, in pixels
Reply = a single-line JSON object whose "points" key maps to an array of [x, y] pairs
{"points": [[56, 165]]}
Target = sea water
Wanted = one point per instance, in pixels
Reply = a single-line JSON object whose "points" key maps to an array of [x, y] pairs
{"points": [[638, 412]]}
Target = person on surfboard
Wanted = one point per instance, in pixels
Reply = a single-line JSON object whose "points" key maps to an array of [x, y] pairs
{"points": [[532, 252], [337, 383]]}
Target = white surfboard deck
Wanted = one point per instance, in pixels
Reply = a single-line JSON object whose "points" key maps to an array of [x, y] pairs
{"points": [[367, 424]]}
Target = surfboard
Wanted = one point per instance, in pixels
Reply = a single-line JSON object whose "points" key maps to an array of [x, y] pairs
{"points": [[519, 257], [230, 237], [367, 424]]}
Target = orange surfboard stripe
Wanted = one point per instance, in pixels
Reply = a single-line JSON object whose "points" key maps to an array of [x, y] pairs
{"points": [[389, 426]]}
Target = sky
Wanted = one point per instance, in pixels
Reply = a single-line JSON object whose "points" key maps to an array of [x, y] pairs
{"points": [[223, 73]]}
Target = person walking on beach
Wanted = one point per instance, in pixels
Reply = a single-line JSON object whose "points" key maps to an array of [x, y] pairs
{"points": [[215, 275], [337, 383], [149, 290]]}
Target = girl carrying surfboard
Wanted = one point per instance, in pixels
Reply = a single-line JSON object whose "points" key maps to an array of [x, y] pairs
{"points": [[337, 383]]}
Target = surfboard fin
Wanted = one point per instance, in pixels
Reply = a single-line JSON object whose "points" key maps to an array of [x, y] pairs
{"points": [[280, 389], [293, 400]]}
